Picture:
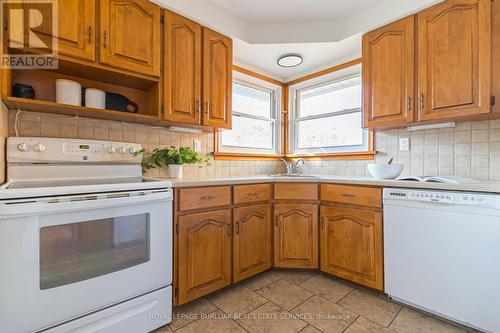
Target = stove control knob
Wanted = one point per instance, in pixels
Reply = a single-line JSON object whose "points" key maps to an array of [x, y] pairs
{"points": [[39, 148], [111, 150], [23, 147], [132, 150], [122, 150]]}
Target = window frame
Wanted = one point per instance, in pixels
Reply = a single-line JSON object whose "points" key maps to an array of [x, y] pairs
{"points": [[285, 111], [276, 90], [295, 119]]}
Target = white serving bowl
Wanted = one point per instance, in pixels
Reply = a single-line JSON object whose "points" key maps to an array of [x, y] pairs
{"points": [[385, 171]]}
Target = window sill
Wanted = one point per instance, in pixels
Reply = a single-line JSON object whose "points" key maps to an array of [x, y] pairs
{"points": [[362, 155], [222, 156]]}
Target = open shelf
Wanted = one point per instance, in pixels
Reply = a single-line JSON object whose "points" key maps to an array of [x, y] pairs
{"points": [[81, 111]]}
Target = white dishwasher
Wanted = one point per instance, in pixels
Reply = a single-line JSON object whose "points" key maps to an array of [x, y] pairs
{"points": [[442, 253]]}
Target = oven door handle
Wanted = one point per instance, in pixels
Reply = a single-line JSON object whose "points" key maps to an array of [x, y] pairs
{"points": [[26, 207]]}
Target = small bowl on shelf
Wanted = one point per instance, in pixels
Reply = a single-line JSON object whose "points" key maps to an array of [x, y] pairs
{"points": [[385, 171]]}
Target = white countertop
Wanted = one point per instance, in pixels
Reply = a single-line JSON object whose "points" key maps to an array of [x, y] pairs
{"points": [[492, 187]]}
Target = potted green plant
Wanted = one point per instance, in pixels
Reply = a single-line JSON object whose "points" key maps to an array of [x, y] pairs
{"points": [[173, 158]]}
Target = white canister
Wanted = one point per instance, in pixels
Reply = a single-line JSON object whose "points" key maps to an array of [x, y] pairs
{"points": [[68, 92], [175, 171], [95, 98]]}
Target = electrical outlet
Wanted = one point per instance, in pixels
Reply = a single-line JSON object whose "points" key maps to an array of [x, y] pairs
{"points": [[197, 145], [404, 144]]}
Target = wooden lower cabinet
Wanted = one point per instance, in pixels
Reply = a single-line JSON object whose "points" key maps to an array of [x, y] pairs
{"points": [[252, 241], [204, 254], [296, 236], [351, 244]]}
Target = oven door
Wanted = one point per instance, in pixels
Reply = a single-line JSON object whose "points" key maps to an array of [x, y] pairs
{"points": [[61, 260]]}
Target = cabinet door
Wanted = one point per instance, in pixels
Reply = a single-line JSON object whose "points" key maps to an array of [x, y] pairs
{"points": [[130, 35], [296, 236], [204, 243], [182, 61], [388, 74], [217, 79], [351, 245], [252, 241], [76, 28], [454, 59]]}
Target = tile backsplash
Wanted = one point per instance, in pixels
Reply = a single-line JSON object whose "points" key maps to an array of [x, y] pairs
{"points": [[56, 126], [471, 149]]}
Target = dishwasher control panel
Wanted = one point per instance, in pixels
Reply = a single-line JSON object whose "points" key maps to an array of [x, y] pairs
{"points": [[442, 197]]}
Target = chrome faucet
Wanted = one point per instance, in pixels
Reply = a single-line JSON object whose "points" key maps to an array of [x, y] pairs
{"points": [[291, 166]]}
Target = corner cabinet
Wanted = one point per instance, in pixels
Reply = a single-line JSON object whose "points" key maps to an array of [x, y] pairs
{"points": [[454, 52], [182, 69], [204, 254], [351, 244], [130, 35], [217, 79], [296, 235], [252, 240], [388, 74]]}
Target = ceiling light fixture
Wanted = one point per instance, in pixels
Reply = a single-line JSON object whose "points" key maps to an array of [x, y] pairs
{"points": [[290, 60]]}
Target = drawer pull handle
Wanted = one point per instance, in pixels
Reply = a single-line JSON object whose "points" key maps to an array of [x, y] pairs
{"points": [[253, 194], [347, 195], [208, 197]]}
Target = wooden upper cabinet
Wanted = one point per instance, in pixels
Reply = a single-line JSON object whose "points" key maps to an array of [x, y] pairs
{"points": [[130, 35], [296, 236], [388, 74], [204, 254], [182, 63], [351, 245], [217, 79], [252, 241], [454, 52], [76, 28]]}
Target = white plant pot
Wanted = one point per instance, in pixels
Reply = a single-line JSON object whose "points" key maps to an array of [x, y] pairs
{"points": [[175, 171]]}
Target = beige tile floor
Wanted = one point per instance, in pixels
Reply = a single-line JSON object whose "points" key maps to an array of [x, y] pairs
{"points": [[298, 301]]}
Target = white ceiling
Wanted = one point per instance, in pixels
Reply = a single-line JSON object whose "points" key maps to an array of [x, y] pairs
{"points": [[259, 11], [262, 57], [324, 32]]}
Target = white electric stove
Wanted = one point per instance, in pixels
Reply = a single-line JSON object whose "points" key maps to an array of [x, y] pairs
{"points": [[85, 240]]}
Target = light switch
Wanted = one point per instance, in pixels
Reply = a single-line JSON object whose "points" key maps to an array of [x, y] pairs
{"points": [[197, 145], [404, 144]]}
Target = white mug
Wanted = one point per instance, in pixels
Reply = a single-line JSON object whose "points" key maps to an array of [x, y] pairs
{"points": [[95, 98], [68, 92]]}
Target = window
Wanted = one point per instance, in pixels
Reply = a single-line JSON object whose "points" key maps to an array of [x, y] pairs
{"points": [[255, 127], [326, 115]]}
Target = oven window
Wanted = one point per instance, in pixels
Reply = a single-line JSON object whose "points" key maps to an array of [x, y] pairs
{"points": [[79, 251]]}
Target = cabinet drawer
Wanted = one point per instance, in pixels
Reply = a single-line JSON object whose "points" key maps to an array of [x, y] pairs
{"points": [[354, 195], [204, 197], [252, 193], [295, 191]]}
